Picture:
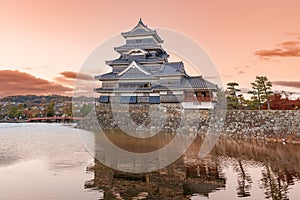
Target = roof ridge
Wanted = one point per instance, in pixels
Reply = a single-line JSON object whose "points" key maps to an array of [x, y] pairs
{"points": [[135, 64], [141, 22]]}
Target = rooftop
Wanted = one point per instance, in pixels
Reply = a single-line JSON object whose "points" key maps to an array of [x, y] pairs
{"points": [[141, 29]]}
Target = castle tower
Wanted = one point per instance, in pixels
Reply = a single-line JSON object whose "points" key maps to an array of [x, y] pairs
{"points": [[143, 74]]}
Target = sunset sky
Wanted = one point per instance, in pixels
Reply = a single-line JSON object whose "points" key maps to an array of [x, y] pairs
{"points": [[45, 43]]}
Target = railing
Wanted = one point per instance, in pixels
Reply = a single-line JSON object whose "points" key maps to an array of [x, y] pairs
{"points": [[171, 98], [199, 99]]}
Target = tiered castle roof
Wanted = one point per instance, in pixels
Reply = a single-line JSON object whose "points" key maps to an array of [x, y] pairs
{"points": [[142, 57]]}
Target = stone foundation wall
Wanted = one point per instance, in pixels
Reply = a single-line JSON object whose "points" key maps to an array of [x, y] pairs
{"points": [[171, 117], [167, 117], [264, 123]]}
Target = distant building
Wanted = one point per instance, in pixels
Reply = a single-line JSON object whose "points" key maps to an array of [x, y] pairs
{"points": [[142, 74]]}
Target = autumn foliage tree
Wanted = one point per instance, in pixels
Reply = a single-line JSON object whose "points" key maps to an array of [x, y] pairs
{"points": [[67, 109], [279, 102]]}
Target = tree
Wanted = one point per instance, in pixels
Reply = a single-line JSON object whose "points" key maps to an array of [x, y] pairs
{"points": [[255, 99], [261, 91], [232, 98], [27, 113], [13, 111], [36, 112], [251, 104], [282, 102], [50, 110], [241, 101], [67, 109]]}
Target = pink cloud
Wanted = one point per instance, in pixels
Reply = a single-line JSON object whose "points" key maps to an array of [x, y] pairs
{"points": [[20, 83], [76, 75], [295, 84], [286, 49]]}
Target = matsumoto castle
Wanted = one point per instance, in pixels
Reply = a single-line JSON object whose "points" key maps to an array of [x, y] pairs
{"points": [[142, 74]]}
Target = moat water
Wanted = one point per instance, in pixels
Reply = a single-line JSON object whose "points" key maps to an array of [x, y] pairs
{"points": [[49, 161]]}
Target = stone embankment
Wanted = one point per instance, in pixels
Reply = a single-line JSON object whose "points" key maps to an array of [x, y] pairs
{"points": [[276, 125]]}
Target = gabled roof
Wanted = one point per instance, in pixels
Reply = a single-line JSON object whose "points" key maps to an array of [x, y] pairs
{"points": [[189, 83], [132, 71], [132, 74], [142, 29], [198, 82], [135, 73], [171, 68], [133, 66]]}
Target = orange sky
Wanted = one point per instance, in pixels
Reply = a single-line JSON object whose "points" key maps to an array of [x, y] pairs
{"points": [[243, 38]]}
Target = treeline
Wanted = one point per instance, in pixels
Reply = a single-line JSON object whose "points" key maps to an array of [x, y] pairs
{"points": [[31, 106], [23, 112], [262, 97], [35, 99], [31, 100]]}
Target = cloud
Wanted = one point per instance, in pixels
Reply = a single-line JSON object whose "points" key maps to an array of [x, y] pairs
{"points": [[83, 84], [65, 81], [76, 75], [286, 49], [295, 84], [20, 83], [69, 78], [289, 44]]}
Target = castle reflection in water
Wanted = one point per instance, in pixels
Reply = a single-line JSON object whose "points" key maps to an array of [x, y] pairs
{"points": [[277, 164]]}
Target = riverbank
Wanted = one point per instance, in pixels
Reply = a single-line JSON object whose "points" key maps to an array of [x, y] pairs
{"points": [[66, 119]]}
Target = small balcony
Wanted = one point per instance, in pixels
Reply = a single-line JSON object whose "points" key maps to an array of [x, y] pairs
{"points": [[198, 99]]}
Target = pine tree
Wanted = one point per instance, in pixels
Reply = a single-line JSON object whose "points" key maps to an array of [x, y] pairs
{"points": [[261, 91], [232, 98]]}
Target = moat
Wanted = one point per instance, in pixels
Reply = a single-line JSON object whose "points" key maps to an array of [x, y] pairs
{"points": [[34, 156]]}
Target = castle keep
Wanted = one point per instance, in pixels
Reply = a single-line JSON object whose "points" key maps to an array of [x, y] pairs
{"points": [[143, 74]]}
